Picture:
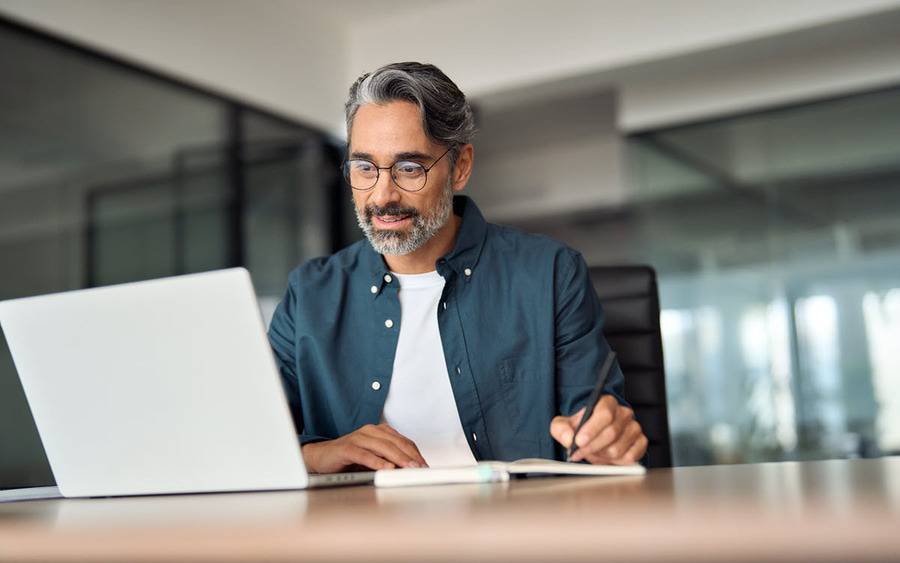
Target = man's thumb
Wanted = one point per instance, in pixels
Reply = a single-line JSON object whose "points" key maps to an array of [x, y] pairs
{"points": [[562, 428]]}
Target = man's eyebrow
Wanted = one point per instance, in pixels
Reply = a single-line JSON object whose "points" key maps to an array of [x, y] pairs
{"points": [[409, 155], [413, 156]]}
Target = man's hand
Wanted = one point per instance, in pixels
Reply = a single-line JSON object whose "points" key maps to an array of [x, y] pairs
{"points": [[610, 436], [372, 447]]}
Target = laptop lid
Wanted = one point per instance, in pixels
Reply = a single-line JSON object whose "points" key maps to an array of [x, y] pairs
{"points": [[162, 386], [23, 463]]}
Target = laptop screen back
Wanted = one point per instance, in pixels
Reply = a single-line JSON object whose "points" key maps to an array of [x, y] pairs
{"points": [[162, 386]]}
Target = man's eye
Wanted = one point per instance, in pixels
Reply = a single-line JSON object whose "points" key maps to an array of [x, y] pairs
{"points": [[408, 168], [362, 166]]}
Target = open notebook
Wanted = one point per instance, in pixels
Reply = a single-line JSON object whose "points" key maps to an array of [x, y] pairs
{"points": [[496, 471]]}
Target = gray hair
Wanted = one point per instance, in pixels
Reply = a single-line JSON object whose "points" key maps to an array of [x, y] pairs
{"points": [[446, 115]]}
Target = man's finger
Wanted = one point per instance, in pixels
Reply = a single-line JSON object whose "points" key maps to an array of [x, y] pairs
{"points": [[604, 414], [563, 429], [612, 433], [637, 450], [360, 456], [379, 444], [626, 440], [408, 446]]}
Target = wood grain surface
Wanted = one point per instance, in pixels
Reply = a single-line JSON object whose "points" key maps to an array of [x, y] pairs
{"points": [[797, 511]]}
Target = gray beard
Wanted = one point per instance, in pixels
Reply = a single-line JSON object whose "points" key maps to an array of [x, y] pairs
{"points": [[424, 227]]}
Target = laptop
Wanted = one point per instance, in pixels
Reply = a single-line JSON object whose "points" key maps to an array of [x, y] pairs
{"points": [[157, 387]]}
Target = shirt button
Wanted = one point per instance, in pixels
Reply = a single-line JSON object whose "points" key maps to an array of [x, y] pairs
{"points": [[376, 386], [445, 305], [467, 271], [374, 289], [389, 323], [388, 278]]}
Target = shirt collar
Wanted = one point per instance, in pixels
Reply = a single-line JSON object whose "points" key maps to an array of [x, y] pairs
{"points": [[469, 239], [466, 250]]}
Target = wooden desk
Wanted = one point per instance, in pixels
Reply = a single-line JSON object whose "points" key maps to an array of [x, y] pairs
{"points": [[831, 510]]}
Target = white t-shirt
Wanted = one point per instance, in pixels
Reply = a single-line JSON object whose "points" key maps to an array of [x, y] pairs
{"points": [[420, 402]]}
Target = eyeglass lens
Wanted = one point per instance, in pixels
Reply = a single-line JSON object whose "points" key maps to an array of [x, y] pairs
{"points": [[363, 175]]}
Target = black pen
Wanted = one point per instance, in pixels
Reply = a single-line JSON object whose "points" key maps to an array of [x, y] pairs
{"points": [[592, 400]]}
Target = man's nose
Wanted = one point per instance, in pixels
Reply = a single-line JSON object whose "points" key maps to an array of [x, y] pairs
{"points": [[385, 191]]}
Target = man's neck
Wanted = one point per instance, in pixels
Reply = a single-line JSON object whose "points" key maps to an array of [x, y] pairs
{"points": [[423, 260]]}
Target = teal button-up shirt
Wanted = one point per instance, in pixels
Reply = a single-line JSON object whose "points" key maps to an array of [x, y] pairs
{"points": [[520, 325]]}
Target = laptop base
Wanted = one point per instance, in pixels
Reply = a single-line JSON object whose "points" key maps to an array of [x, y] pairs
{"points": [[29, 493]]}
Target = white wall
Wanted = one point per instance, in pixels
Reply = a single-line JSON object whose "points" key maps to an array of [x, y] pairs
{"points": [[852, 56], [498, 44], [542, 160]]}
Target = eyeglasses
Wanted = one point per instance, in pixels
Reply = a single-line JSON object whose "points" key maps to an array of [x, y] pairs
{"points": [[409, 176]]}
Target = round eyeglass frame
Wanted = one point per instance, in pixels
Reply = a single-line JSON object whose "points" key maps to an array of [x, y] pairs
{"points": [[345, 172]]}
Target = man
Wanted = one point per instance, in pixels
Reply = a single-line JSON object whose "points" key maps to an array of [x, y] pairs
{"points": [[440, 339]]}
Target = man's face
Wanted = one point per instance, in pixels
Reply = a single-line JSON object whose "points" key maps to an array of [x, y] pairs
{"points": [[398, 222]]}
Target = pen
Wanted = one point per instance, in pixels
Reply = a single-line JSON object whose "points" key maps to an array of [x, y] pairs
{"points": [[592, 400]]}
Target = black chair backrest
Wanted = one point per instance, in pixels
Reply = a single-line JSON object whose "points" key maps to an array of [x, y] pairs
{"points": [[630, 301]]}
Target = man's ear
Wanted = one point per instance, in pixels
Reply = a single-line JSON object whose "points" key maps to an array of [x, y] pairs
{"points": [[463, 169]]}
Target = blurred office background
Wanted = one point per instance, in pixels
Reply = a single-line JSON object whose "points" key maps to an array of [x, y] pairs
{"points": [[748, 150]]}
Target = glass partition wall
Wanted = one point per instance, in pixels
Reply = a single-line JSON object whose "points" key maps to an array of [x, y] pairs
{"points": [[110, 173], [777, 239]]}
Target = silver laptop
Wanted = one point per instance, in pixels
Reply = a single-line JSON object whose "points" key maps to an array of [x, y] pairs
{"points": [[157, 387]]}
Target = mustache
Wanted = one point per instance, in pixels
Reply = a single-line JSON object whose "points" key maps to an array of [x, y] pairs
{"points": [[390, 209]]}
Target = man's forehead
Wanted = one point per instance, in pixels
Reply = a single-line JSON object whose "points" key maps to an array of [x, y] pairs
{"points": [[388, 129]]}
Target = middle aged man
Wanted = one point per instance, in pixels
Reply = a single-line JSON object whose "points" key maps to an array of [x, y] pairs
{"points": [[440, 338]]}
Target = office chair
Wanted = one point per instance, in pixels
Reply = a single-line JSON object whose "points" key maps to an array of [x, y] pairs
{"points": [[630, 301]]}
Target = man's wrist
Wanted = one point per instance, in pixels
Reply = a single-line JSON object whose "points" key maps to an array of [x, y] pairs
{"points": [[310, 458]]}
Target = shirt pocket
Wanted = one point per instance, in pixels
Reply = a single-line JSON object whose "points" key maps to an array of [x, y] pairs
{"points": [[514, 391]]}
